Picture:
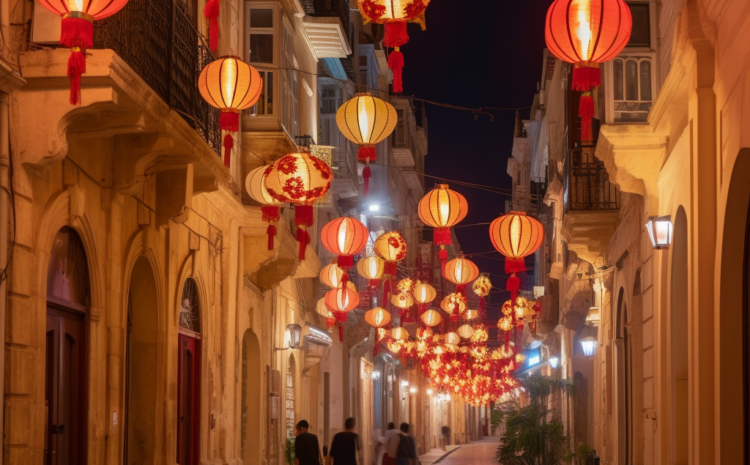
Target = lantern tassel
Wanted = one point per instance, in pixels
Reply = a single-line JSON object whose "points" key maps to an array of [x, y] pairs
{"points": [[441, 236], [271, 231], [345, 261], [443, 256], [211, 12], [228, 146], [270, 213], [513, 285], [586, 112], [303, 215], [229, 121], [516, 265], [303, 238], [586, 77], [366, 174], [367, 153], [76, 67], [396, 34], [341, 332], [396, 64]]}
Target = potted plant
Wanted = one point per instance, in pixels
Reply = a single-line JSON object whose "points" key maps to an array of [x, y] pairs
{"points": [[289, 451]]}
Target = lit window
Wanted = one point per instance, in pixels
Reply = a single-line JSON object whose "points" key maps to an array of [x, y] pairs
{"points": [[632, 88], [640, 36], [290, 87], [260, 35]]}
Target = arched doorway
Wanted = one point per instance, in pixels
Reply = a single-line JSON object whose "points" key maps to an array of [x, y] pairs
{"points": [[250, 445], [289, 396], [189, 376], [66, 365], [624, 344], [140, 368], [678, 342]]}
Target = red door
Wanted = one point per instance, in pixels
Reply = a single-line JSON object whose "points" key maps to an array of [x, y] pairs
{"points": [[65, 388], [188, 400]]}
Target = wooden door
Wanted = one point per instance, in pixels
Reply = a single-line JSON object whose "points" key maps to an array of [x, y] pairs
{"points": [[65, 388], [188, 401]]}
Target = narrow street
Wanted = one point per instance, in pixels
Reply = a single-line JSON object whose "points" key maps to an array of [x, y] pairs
{"points": [[480, 452]]}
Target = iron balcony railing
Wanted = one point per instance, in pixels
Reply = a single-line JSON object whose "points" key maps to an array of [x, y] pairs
{"points": [[589, 187], [159, 41]]}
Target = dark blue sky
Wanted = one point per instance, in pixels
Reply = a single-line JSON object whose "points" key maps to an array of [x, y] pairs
{"points": [[475, 53]]}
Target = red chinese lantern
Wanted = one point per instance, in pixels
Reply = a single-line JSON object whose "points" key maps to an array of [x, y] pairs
{"points": [[442, 209], [366, 121], [394, 15], [516, 236], [77, 32], [270, 209], [371, 268], [461, 271], [341, 301], [344, 237], [587, 33], [331, 275], [230, 85], [301, 179], [378, 317]]}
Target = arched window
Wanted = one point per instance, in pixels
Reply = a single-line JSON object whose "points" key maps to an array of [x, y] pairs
{"points": [[190, 315], [189, 376]]}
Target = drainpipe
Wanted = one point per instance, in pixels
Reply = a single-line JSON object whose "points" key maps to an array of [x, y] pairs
{"points": [[4, 184]]}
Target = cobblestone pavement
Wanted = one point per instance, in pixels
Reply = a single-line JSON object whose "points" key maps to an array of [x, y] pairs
{"points": [[475, 453]]}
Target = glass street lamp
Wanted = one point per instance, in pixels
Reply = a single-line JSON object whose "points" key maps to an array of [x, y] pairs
{"points": [[553, 362], [589, 346], [660, 232], [292, 334]]}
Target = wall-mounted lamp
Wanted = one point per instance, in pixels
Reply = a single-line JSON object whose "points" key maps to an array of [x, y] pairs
{"points": [[404, 383], [413, 390], [376, 374], [589, 346], [292, 336], [553, 362], [430, 392], [660, 232]]}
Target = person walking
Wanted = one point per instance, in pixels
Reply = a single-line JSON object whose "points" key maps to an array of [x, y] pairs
{"points": [[406, 453], [345, 446], [391, 444], [306, 447]]}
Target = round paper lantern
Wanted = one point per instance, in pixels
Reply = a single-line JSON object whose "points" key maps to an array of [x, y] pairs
{"points": [[331, 275], [366, 121], [402, 300], [424, 293], [371, 268], [399, 334], [452, 338], [587, 33], [441, 209], [461, 271], [344, 237], [405, 285], [431, 318], [454, 304], [270, 207], [516, 236], [230, 85], [301, 179], [394, 14], [391, 247], [471, 314], [482, 287], [466, 331], [77, 32], [341, 301], [378, 317]]}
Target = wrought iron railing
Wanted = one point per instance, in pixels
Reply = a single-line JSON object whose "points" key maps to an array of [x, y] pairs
{"points": [[160, 42], [589, 187]]}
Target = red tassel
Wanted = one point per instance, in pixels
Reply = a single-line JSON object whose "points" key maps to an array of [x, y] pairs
{"points": [[395, 34], [461, 289], [228, 146], [586, 77], [344, 280], [387, 286], [270, 213], [366, 174], [303, 215], [303, 238], [367, 153], [211, 11], [514, 265], [586, 112], [345, 261], [77, 33], [76, 67], [271, 231], [441, 236], [229, 121], [513, 285], [341, 332], [482, 307], [443, 256], [374, 283], [396, 64], [376, 349]]}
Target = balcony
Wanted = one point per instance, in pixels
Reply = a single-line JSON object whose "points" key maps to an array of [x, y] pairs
{"points": [[327, 26], [159, 42]]}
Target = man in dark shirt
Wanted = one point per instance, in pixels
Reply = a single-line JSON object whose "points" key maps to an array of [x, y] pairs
{"points": [[306, 448], [407, 452], [345, 446]]}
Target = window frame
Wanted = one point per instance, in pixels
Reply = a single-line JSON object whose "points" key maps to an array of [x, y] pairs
{"points": [[289, 81], [264, 67], [609, 91]]}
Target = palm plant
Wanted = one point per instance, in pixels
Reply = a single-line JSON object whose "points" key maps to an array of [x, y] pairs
{"points": [[534, 434]]}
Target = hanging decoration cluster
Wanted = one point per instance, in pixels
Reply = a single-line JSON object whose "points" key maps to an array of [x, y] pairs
{"points": [[395, 14], [587, 33], [77, 32]]}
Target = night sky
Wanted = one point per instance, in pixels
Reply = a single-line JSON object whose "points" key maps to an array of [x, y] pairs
{"points": [[475, 53]]}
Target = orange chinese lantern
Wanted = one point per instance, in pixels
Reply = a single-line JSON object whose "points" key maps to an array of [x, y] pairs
{"points": [[270, 209], [344, 237], [399, 334], [442, 209], [378, 317], [394, 15], [461, 271], [77, 32], [342, 301], [331, 275], [371, 268], [402, 300], [366, 121], [466, 331], [424, 294], [587, 33], [472, 314], [230, 85], [301, 179], [516, 236], [454, 304], [452, 338], [431, 318]]}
